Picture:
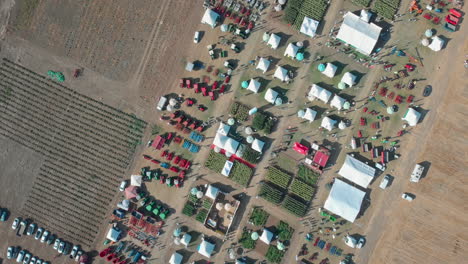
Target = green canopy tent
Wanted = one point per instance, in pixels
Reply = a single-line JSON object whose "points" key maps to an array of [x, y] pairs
{"points": [[254, 236], [300, 113], [341, 85], [321, 67], [300, 56], [280, 246], [245, 84]]}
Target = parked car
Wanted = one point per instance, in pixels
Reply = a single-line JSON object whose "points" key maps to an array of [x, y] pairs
{"points": [[51, 239], [33, 260], [74, 251], [10, 252], [427, 91], [31, 229], [61, 247], [45, 235], [67, 248], [196, 37], [16, 222], [39, 232], [57, 243], [385, 182], [122, 186], [78, 255], [407, 196], [360, 242], [3, 215], [27, 258], [39, 261], [20, 256]]}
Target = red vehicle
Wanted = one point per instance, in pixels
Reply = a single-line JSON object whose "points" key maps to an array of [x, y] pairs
{"points": [[383, 91], [164, 153], [243, 10], [195, 86], [204, 91], [177, 159], [391, 95], [146, 157], [227, 14], [455, 12], [409, 67], [197, 90], [228, 79], [189, 102], [212, 95], [200, 128], [155, 161], [193, 125], [170, 156], [214, 86], [76, 73], [452, 19], [188, 83], [359, 134], [436, 20], [398, 99], [221, 90], [365, 109], [182, 83], [409, 100], [202, 108], [427, 16], [170, 135], [174, 169], [237, 20], [175, 114], [182, 163], [243, 22], [187, 165], [251, 25]]}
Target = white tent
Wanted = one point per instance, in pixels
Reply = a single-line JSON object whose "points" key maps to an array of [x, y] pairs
{"points": [[359, 33], [206, 248], [124, 205], [291, 50], [176, 258], [328, 123], [281, 73], [257, 145], [231, 145], [436, 44], [412, 117], [349, 79], [263, 64], [309, 26], [227, 168], [366, 15], [211, 192], [220, 140], [357, 171], [210, 18], [114, 234], [320, 93], [136, 180], [309, 114], [337, 102], [254, 86], [271, 95], [223, 129], [344, 200], [186, 238], [267, 236], [330, 70], [274, 41]]}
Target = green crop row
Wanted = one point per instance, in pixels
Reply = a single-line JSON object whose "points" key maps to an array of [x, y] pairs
{"points": [[215, 161], [384, 10], [294, 206], [241, 173], [278, 177], [302, 190], [363, 3], [270, 193]]}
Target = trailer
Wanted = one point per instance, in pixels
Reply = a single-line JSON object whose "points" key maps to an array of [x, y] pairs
{"points": [[417, 173], [162, 103]]}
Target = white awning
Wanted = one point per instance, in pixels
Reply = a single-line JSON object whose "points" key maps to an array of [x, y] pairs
{"points": [[223, 129], [274, 41], [357, 171], [210, 18], [206, 248], [359, 33], [320, 93], [344, 200], [263, 64], [254, 86], [309, 114], [231, 145], [366, 15], [281, 73], [349, 79], [330, 70], [328, 123], [257, 145], [212, 192], [136, 180], [271, 96], [176, 258], [227, 168], [186, 238], [412, 117], [291, 50], [337, 102], [436, 44], [309, 26], [114, 234], [220, 140], [266, 236]]}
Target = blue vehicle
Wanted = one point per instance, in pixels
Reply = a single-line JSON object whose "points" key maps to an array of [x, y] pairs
{"points": [[3, 215]]}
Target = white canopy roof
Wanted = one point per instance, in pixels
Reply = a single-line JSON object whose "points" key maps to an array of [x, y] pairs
{"points": [[220, 140], [357, 171], [223, 129], [328, 123], [349, 78], [210, 17], [113, 234], [136, 180], [281, 73], [359, 33], [227, 168], [206, 248], [274, 41], [309, 26], [337, 102], [231, 145], [266, 236], [344, 200], [186, 238], [436, 44], [309, 114], [271, 95], [263, 64], [330, 70], [291, 50], [320, 93], [176, 258], [412, 117], [257, 145], [254, 86], [212, 192], [366, 15]]}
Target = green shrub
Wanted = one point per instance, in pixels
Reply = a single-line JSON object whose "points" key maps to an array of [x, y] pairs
{"points": [[274, 255], [269, 124], [201, 216], [241, 173], [259, 217], [215, 161], [259, 120], [302, 190], [270, 193], [285, 232], [189, 209], [278, 177], [294, 206], [239, 111], [307, 175], [246, 241]]}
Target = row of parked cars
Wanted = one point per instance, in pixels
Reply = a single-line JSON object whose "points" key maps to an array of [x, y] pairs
{"points": [[23, 256], [23, 227]]}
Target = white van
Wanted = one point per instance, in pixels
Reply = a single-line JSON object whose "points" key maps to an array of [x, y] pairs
{"points": [[385, 182], [162, 103]]}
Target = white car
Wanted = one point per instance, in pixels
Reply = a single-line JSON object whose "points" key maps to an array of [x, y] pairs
{"points": [[39, 261], [196, 38], [385, 182], [27, 258], [57, 243], [20, 257], [122, 186], [61, 247], [33, 260], [10, 252], [360, 242], [45, 235], [39, 232], [407, 196], [16, 222], [78, 255], [31, 229], [74, 251]]}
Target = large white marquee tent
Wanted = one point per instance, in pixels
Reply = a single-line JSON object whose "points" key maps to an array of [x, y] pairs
{"points": [[344, 200], [210, 18], [357, 171]]}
